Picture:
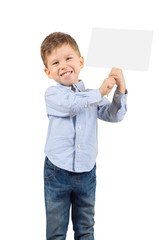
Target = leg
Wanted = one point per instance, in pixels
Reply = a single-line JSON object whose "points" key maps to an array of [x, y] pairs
{"points": [[57, 202], [83, 202]]}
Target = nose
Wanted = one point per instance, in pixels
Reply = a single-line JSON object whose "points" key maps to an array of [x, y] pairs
{"points": [[63, 65]]}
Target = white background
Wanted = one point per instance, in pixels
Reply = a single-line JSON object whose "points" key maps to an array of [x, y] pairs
{"points": [[127, 197]]}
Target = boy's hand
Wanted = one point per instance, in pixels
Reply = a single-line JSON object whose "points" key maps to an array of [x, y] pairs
{"points": [[107, 86], [117, 74]]}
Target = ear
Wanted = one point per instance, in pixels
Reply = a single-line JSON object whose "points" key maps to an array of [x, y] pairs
{"points": [[81, 62], [46, 70]]}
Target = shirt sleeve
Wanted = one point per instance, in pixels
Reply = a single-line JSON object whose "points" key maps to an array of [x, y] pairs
{"points": [[64, 103], [113, 111]]}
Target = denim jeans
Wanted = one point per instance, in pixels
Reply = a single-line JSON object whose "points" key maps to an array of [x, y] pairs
{"points": [[64, 189]]}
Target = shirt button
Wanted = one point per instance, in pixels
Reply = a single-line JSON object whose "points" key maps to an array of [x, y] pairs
{"points": [[79, 127], [119, 110], [85, 105], [116, 95], [78, 146]]}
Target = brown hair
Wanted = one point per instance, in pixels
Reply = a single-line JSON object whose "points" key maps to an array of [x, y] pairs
{"points": [[54, 40]]}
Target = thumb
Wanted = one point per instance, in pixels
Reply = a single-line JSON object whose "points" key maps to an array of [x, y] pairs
{"points": [[114, 76]]}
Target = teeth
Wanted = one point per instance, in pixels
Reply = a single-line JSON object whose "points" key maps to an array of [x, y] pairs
{"points": [[65, 74]]}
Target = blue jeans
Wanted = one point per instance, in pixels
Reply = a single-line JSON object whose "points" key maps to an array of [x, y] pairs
{"points": [[62, 190]]}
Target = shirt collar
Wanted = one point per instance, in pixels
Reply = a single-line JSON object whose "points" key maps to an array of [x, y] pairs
{"points": [[80, 86]]}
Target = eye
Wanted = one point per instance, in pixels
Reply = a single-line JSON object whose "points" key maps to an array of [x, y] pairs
{"points": [[68, 58], [55, 63]]}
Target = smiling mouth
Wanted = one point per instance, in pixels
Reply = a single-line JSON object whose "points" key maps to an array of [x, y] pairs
{"points": [[66, 74]]}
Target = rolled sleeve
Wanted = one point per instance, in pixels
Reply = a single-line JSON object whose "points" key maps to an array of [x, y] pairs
{"points": [[64, 103], [115, 111], [120, 100], [120, 97]]}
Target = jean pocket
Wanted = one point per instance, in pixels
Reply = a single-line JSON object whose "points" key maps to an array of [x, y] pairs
{"points": [[92, 173], [49, 169]]}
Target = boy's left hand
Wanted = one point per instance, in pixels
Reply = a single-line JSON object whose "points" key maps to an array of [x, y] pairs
{"points": [[117, 74]]}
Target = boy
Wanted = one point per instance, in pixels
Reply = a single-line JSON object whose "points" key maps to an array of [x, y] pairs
{"points": [[71, 144]]}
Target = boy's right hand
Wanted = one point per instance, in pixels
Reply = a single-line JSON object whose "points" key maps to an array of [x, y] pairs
{"points": [[107, 86]]}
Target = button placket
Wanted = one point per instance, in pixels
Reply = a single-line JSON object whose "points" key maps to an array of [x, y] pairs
{"points": [[78, 139], [78, 132], [78, 136]]}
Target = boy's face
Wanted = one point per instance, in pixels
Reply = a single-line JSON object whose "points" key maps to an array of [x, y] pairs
{"points": [[64, 65]]}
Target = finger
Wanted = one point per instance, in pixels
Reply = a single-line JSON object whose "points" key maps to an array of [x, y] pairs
{"points": [[109, 89], [113, 71], [113, 75], [113, 79]]}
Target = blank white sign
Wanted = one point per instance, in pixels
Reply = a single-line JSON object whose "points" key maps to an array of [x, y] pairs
{"points": [[126, 49]]}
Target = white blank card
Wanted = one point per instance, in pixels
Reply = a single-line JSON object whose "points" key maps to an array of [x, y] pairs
{"points": [[126, 49]]}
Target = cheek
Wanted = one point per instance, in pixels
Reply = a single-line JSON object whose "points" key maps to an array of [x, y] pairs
{"points": [[77, 71], [77, 68], [54, 71]]}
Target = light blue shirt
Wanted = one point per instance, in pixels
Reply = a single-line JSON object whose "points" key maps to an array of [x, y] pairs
{"points": [[72, 141]]}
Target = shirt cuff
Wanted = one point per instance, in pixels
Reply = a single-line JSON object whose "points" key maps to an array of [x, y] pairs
{"points": [[119, 96]]}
